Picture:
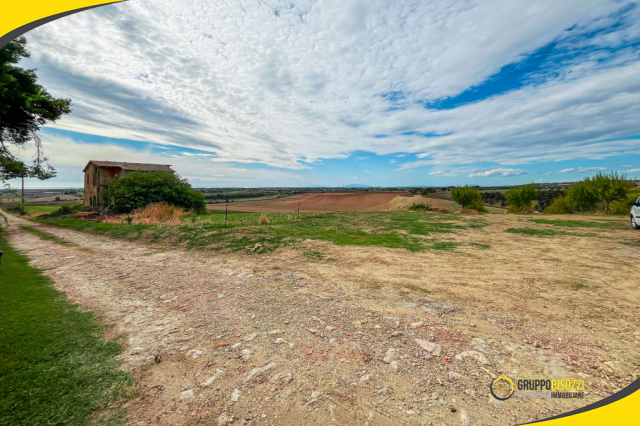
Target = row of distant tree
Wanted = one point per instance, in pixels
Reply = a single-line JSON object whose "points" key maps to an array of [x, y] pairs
{"points": [[609, 192]]}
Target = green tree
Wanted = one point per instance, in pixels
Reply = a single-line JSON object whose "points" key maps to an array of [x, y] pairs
{"points": [[465, 195], [611, 187], [24, 107], [139, 189], [583, 195], [520, 198], [560, 205]]}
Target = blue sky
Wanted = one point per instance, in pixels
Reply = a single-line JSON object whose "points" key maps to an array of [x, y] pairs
{"points": [[342, 92]]}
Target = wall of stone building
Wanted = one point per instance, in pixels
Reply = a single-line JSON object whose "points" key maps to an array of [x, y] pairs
{"points": [[97, 180]]}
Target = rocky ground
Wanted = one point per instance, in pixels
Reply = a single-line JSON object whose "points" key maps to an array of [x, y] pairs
{"points": [[370, 336]]}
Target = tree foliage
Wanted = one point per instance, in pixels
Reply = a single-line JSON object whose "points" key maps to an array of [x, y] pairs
{"points": [[24, 107], [466, 196], [561, 205], [611, 187], [520, 198], [139, 189], [583, 195]]}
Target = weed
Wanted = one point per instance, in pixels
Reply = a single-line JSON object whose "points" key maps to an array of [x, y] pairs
{"points": [[578, 223], [316, 255], [45, 235], [546, 232], [480, 246]]}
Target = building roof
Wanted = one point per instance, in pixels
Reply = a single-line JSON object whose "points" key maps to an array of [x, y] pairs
{"points": [[131, 166]]}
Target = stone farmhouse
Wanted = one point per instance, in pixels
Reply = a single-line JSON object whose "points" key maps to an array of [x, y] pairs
{"points": [[98, 174]]}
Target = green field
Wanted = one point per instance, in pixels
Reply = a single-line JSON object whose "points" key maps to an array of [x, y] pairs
{"points": [[547, 232], [47, 209], [414, 231], [55, 367]]}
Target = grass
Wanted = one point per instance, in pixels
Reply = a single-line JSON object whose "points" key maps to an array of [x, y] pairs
{"points": [[578, 223], [480, 246], [546, 232], [41, 208], [55, 367], [407, 230], [45, 235]]}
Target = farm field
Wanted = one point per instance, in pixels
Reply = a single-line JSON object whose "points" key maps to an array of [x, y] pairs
{"points": [[344, 202], [314, 319]]}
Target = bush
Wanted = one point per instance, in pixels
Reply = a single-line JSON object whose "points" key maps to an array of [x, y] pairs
{"points": [[611, 187], [466, 196], [479, 206], [139, 189], [420, 207], [520, 198], [561, 205], [67, 209], [622, 207]]}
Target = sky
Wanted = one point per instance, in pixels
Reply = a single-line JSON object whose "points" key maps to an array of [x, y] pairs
{"points": [[381, 93]]}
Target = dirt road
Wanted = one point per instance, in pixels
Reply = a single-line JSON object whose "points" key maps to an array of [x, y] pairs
{"points": [[282, 339]]}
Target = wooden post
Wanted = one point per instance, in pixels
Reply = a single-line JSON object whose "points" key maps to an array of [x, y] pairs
{"points": [[22, 192], [226, 210]]}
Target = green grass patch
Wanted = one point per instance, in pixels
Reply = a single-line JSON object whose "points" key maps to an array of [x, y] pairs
{"points": [[574, 285], [244, 233], [41, 208], [578, 223], [313, 255], [546, 232], [45, 235], [55, 366], [480, 246]]}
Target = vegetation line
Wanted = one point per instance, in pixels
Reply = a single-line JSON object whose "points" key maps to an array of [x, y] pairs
{"points": [[45, 235], [55, 366]]}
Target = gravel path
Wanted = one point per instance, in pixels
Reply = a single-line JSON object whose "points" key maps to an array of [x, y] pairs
{"points": [[283, 340]]}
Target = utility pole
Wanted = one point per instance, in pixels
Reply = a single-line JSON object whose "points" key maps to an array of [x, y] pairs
{"points": [[23, 191]]}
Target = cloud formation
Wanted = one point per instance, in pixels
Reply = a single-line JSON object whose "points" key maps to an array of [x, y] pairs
{"points": [[583, 170], [288, 85], [499, 171]]}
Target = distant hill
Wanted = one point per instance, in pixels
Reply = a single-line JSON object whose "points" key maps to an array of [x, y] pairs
{"points": [[356, 185]]}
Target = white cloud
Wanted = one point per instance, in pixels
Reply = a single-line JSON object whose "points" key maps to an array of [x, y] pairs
{"points": [[583, 170], [441, 173], [498, 171], [393, 161], [632, 170], [288, 84]]}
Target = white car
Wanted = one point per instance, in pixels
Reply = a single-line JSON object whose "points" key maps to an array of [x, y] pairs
{"points": [[635, 214]]}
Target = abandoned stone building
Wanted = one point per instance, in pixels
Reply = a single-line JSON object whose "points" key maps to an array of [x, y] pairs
{"points": [[98, 174]]}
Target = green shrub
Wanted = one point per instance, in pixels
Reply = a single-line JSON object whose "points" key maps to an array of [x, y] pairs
{"points": [[420, 207], [561, 205], [479, 206], [622, 207], [67, 209], [139, 189], [520, 198], [466, 196], [611, 187]]}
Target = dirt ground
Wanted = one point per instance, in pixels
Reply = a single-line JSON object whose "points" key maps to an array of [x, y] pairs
{"points": [[284, 339], [345, 202]]}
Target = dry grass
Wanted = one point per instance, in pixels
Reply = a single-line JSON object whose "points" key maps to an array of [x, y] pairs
{"points": [[263, 220], [153, 214]]}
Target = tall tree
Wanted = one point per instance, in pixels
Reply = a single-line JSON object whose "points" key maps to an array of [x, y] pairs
{"points": [[24, 107], [520, 198]]}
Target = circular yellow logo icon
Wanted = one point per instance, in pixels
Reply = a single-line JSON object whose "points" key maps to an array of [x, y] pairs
{"points": [[502, 388]]}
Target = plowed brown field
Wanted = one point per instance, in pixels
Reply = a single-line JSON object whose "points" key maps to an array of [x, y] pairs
{"points": [[309, 202]]}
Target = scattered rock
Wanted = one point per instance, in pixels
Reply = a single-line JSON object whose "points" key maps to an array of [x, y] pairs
{"points": [[536, 344], [274, 332], [225, 419], [236, 346], [313, 331], [417, 324], [480, 357], [194, 353], [395, 334], [472, 325], [219, 372], [235, 395], [246, 355], [480, 344], [282, 377], [136, 351], [453, 376], [431, 348], [188, 394], [250, 337], [391, 357], [259, 371]]}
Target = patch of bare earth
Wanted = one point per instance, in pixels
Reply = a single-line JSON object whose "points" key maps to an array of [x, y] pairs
{"points": [[282, 339]]}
